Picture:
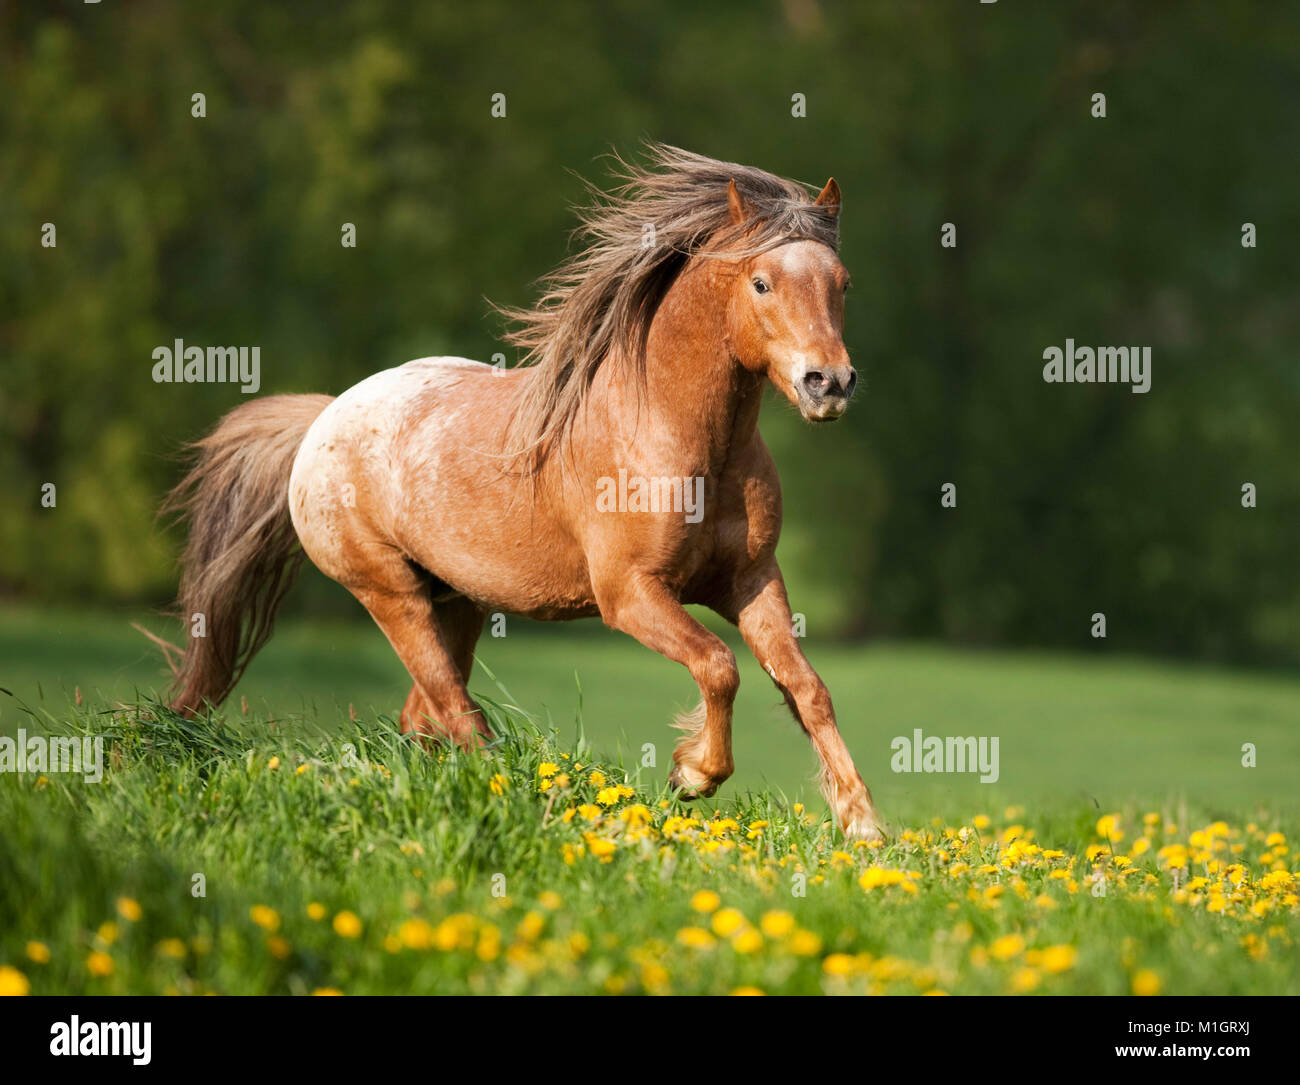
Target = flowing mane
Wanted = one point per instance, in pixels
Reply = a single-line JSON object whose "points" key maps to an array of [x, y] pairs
{"points": [[599, 303]]}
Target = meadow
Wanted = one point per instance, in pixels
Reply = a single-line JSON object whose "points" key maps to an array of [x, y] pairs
{"points": [[1124, 848]]}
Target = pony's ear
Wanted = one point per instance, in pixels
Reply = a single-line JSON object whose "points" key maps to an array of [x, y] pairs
{"points": [[829, 197], [736, 204]]}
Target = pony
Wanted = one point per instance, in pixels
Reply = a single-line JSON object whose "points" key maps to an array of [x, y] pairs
{"points": [[445, 489]]}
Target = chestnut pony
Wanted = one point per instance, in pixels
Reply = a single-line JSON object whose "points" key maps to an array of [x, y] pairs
{"points": [[444, 489]]}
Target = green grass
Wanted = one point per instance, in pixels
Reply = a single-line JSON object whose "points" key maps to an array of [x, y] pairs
{"points": [[406, 842]]}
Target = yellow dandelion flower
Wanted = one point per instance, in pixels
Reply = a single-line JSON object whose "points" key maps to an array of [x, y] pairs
{"points": [[99, 964], [597, 779], [550, 900], [498, 784], [1025, 979], [347, 925], [696, 938], [838, 964], [727, 921], [1006, 947], [547, 768], [38, 952], [747, 941], [599, 847], [1059, 958], [706, 900], [805, 943], [316, 911], [173, 948], [278, 946], [107, 932], [750, 991], [13, 982], [1146, 982], [777, 924], [416, 934], [266, 918], [323, 992], [273, 764], [129, 909]]}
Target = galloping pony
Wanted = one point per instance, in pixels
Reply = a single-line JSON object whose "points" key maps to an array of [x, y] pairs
{"points": [[444, 489]]}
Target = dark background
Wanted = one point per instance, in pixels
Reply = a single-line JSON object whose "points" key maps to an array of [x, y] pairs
{"points": [[1125, 230]]}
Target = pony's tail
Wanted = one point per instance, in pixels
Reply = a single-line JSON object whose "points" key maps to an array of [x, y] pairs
{"points": [[242, 554]]}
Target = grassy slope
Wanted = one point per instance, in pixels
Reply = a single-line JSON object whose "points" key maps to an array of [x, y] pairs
{"points": [[413, 848]]}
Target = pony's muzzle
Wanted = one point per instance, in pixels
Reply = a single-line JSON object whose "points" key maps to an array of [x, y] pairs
{"points": [[824, 393]]}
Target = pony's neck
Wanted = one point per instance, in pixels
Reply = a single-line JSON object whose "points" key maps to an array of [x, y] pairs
{"points": [[693, 383]]}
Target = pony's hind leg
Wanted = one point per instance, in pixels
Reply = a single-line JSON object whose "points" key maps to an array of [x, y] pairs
{"points": [[461, 623], [399, 599]]}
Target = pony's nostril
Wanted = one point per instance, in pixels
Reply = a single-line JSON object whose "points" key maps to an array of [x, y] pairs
{"points": [[815, 381], [853, 382]]}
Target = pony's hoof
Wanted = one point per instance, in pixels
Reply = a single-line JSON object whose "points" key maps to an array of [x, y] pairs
{"points": [[691, 784]]}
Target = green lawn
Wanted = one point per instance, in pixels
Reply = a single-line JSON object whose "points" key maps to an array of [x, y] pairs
{"points": [[1124, 847], [1077, 728]]}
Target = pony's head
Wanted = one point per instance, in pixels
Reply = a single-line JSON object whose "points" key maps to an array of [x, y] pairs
{"points": [[786, 315], [775, 244]]}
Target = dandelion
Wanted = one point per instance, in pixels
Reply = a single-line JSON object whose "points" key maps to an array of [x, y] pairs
{"points": [[273, 764], [1025, 979], [727, 921], [326, 992], [777, 924], [415, 934], [1058, 959], [316, 911], [1007, 947], [13, 982], [706, 900], [747, 991], [837, 964], [173, 948], [38, 952], [747, 941], [1146, 982], [266, 918], [597, 779], [550, 900], [805, 943], [347, 925], [547, 768], [696, 938], [129, 909], [99, 964], [498, 784]]}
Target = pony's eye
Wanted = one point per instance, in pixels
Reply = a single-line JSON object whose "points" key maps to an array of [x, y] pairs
{"points": [[761, 287]]}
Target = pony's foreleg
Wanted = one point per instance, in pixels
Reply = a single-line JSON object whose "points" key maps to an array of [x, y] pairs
{"points": [[645, 609], [762, 612]]}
